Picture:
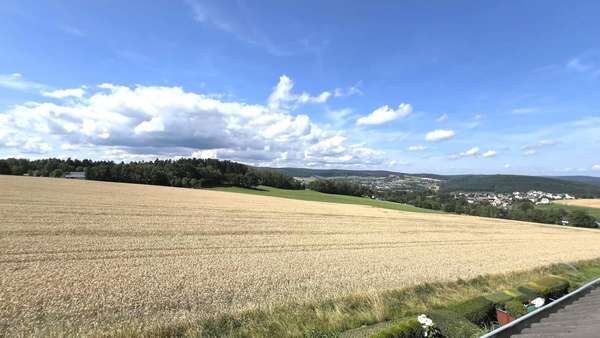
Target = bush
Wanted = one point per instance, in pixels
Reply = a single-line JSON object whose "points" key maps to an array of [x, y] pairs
{"points": [[499, 298], [452, 324], [56, 173], [550, 287], [406, 329], [582, 219], [478, 310], [515, 308], [523, 293]]}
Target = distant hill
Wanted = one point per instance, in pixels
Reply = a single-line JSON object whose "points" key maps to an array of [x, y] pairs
{"points": [[576, 185], [306, 172], [509, 183], [580, 179]]}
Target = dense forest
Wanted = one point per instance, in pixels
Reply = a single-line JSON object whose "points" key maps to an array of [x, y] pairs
{"points": [[339, 187], [187, 172]]}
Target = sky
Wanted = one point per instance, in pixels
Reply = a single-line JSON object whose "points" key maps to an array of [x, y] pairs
{"points": [[448, 87]]}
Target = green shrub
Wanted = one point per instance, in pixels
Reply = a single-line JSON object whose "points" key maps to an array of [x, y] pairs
{"points": [[550, 287], [478, 310], [515, 308], [499, 298], [523, 293], [405, 329], [452, 324]]}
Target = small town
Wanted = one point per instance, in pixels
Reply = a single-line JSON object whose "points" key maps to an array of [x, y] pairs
{"points": [[505, 200]]}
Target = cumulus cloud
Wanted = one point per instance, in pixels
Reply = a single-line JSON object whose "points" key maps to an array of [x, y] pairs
{"points": [[533, 149], [417, 148], [439, 135], [596, 167], [63, 93], [471, 152], [121, 122], [490, 153], [282, 96], [385, 114]]}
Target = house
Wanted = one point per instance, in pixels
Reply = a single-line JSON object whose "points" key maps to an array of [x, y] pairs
{"points": [[79, 175], [544, 201]]}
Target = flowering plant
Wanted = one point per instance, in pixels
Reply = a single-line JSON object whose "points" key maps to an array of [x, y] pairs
{"points": [[429, 329]]}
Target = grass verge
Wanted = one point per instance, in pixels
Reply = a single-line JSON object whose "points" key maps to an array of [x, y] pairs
{"points": [[310, 195], [331, 318]]}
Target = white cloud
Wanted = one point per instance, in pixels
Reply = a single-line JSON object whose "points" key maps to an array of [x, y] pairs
{"points": [[154, 125], [439, 135], [352, 90], [442, 118], [471, 152], [532, 149], [589, 64], [63, 93], [71, 30], [490, 153], [578, 65], [144, 122], [596, 167], [507, 165], [417, 148], [282, 96], [524, 111], [17, 81], [385, 114]]}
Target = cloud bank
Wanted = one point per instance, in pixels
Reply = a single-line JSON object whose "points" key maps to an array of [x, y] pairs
{"points": [[143, 122]]}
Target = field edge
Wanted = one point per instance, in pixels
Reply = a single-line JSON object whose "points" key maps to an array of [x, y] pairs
{"points": [[354, 315]]}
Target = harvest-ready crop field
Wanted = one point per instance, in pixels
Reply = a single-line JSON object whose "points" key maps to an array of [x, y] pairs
{"points": [[592, 203], [83, 257]]}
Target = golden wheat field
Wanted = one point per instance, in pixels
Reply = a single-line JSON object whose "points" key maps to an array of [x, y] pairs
{"points": [[83, 258], [591, 203]]}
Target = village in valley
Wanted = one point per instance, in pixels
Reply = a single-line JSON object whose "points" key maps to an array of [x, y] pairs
{"points": [[505, 200]]}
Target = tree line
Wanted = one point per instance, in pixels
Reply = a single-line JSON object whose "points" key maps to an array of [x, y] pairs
{"points": [[185, 172]]}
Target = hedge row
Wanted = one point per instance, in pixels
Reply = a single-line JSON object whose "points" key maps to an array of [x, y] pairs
{"points": [[465, 319], [410, 328]]}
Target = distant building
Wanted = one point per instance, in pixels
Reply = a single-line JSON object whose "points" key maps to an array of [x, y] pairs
{"points": [[544, 201], [79, 175]]}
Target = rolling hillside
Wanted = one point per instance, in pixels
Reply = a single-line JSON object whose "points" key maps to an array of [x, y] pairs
{"points": [[576, 185], [509, 183]]}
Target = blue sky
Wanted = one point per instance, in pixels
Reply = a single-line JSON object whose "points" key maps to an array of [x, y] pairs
{"points": [[413, 86]]}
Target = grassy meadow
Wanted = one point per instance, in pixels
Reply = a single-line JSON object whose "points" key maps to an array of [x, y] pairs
{"points": [[310, 195]]}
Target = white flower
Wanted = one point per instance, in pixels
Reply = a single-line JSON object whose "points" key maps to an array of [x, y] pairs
{"points": [[422, 318], [538, 302]]}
